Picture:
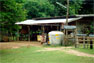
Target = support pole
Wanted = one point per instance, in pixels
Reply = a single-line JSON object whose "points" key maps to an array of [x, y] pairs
{"points": [[91, 44], [57, 27], [67, 12], [28, 33], [76, 37], [43, 29], [60, 27], [18, 35], [66, 36], [83, 41], [87, 42], [43, 37]]}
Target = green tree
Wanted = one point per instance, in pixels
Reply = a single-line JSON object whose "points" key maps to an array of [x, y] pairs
{"points": [[87, 7], [10, 13], [39, 8], [74, 6], [49, 8], [20, 1]]}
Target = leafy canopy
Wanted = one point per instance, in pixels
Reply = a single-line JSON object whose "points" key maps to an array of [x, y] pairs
{"points": [[39, 8], [10, 13]]}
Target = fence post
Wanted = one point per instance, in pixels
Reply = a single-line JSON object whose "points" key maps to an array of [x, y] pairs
{"points": [[91, 44], [76, 37], [83, 41], [28, 33]]}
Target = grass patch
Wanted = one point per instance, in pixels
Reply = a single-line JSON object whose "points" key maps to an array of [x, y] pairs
{"points": [[29, 55]]}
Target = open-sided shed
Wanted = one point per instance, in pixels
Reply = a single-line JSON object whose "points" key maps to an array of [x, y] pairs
{"points": [[46, 24], [57, 23]]}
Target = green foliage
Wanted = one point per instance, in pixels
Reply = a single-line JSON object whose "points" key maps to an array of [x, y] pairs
{"points": [[10, 13], [59, 11], [91, 31], [39, 8], [74, 6], [87, 7], [88, 28], [49, 8], [20, 1]]}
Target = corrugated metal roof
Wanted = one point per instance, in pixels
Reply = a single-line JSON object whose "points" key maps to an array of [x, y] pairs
{"points": [[86, 15], [36, 22]]}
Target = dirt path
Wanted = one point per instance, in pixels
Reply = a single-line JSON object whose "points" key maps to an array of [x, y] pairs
{"points": [[10, 45], [68, 50]]}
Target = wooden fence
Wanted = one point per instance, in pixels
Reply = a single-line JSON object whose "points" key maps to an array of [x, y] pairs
{"points": [[85, 41]]}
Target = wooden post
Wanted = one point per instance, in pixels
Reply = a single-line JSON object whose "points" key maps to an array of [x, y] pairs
{"points": [[83, 41], [28, 33], [76, 37], [43, 29], [64, 37], [18, 35], [57, 27], [60, 27], [43, 35], [67, 12], [87, 42], [67, 20], [91, 44]]}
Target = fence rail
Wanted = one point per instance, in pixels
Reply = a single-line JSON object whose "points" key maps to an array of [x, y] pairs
{"points": [[86, 41]]}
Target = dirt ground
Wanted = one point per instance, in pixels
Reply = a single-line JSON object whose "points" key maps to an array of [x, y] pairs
{"points": [[17, 44]]}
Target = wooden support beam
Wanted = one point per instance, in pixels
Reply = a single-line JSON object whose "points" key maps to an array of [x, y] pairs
{"points": [[28, 33], [64, 37], [76, 37], [18, 35], [57, 28], [43, 29], [67, 12], [43, 34], [83, 41]]}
